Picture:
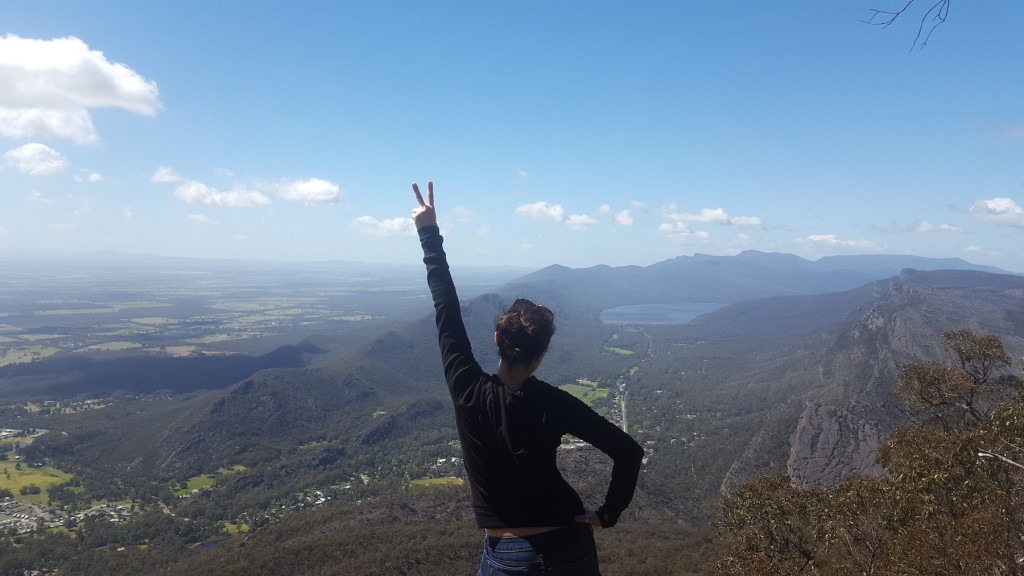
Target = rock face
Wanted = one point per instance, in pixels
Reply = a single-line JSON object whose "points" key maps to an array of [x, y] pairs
{"points": [[830, 443], [841, 435]]}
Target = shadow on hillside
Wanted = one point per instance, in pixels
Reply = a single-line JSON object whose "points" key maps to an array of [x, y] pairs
{"points": [[79, 375]]}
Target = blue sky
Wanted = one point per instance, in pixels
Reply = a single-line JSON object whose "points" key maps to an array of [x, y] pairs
{"points": [[574, 133]]}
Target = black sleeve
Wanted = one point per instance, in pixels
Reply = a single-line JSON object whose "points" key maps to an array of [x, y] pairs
{"points": [[461, 369], [627, 456]]}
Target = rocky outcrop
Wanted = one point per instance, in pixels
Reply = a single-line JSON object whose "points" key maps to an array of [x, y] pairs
{"points": [[829, 443]]}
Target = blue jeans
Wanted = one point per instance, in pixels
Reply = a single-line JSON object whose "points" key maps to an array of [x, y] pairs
{"points": [[568, 551]]}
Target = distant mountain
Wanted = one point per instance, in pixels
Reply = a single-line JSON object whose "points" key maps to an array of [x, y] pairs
{"points": [[726, 279], [790, 375], [796, 383], [815, 372]]}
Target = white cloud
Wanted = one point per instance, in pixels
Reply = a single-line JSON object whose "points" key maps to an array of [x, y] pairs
{"points": [[35, 159], [463, 213], [164, 174], [75, 125], [199, 218], [37, 196], [579, 221], [708, 216], [831, 240], [542, 211], [127, 212], [49, 85], [91, 177], [926, 227], [310, 191], [391, 227], [1016, 131], [483, 231], [682, 231], [975, 250], [194, 192], [622, 217], [1003, 211], [523, 175], [753, 221]]}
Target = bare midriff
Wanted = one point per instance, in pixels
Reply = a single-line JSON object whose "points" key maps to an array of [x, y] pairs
{"points": [[519, 532]]}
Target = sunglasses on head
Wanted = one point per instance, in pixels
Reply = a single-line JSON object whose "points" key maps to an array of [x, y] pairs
{"points": [[524, 305]]}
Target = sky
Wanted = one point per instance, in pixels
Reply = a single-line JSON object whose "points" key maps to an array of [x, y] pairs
{"points": [[556, 132]]}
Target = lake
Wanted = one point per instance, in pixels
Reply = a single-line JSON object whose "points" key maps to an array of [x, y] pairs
{"points": [[657, 313]]}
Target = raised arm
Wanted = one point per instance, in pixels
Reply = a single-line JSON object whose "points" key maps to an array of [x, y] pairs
{"points": [[461, 370]]}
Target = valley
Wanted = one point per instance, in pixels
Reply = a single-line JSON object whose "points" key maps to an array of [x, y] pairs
{"points": [[178, 423]]}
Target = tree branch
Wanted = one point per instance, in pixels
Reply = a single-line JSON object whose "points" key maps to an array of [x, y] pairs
{"points": [[933, 17], [889, 17], [987, 454]]}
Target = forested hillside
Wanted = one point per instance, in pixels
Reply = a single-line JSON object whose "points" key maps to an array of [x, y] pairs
{"points": [[350, 463]]}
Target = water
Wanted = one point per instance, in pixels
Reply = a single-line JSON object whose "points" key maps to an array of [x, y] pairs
{"points": [[658, 313]]}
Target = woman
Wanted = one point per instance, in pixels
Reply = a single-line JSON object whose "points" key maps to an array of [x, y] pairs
{"points": [[511, 425]]}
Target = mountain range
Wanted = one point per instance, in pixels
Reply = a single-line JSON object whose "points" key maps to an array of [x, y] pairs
{"points": [[790, 374]]}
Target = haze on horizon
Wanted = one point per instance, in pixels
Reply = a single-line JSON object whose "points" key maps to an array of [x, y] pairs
{"points": [[556, 133]]}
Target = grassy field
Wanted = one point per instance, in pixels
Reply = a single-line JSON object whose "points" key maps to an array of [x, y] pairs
{"points": [[26, 354], [16, 474], [114, 346], [204, 481], [7, 443], [587, 391], [196, 483], [619, 351], [213, 338], [234, 529], [436, 481], [153, 320], [126, 330]]}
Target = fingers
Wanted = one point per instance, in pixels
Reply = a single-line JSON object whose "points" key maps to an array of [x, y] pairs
{"points": [[430, 194], [419, 197]]}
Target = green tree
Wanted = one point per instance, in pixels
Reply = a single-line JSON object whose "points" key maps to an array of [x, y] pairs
{"points": [[29, 489], [952, 501], [777, 526], [958, 397]]}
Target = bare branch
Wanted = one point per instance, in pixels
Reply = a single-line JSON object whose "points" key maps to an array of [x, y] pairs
{"points": [[987, 454], [931, 20], [938, 13], [888, 17]]}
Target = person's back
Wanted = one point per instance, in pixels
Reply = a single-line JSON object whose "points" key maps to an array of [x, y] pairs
{"points": [[511, 424]]}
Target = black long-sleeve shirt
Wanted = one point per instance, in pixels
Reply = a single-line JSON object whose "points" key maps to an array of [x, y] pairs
{"points": [[509, 439]]}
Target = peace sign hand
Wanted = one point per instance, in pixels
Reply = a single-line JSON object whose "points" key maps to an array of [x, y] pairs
{"points": [[423, 215]]}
